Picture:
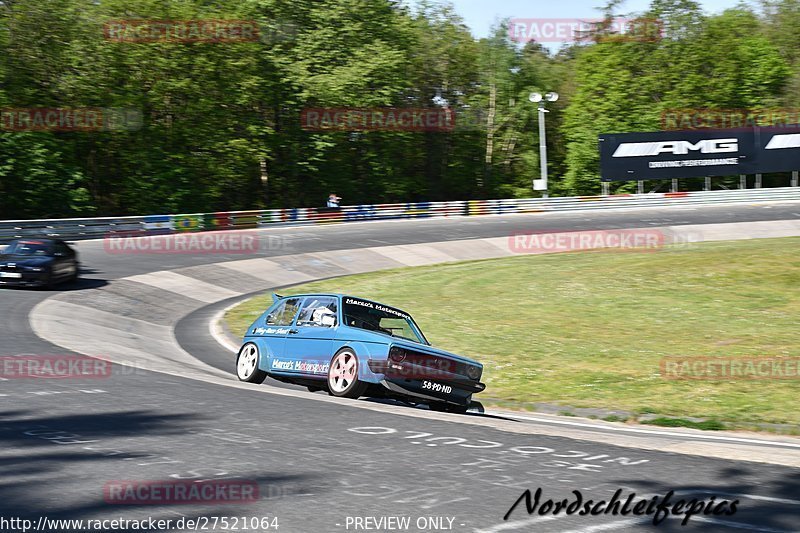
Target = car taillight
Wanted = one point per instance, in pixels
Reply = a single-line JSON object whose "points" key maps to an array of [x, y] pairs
{"points": [[397, 354], [473, 372]]}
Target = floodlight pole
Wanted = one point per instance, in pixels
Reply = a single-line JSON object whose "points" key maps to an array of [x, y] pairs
{"points": [[539, 98], [543, 148]]}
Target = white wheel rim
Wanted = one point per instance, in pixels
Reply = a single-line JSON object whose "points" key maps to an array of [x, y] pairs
{"points": [[248, 360], [344, 371]]}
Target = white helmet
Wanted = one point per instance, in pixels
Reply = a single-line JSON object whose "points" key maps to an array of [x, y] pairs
{"points": [[320, 312]]}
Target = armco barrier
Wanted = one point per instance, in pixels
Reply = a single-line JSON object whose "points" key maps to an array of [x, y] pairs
{"points": [[87, 228]]}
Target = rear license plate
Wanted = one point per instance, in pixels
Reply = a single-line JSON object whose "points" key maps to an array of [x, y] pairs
{"points": [[15, 275]]}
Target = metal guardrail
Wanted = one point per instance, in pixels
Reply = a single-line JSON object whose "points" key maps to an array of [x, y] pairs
{"points": [[87, 228]]}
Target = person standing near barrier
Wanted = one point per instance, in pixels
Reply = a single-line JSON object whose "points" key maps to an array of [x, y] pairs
{"points": [[333, 200]]}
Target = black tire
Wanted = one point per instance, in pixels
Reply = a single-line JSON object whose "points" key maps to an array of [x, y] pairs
{"points": [[477, 407], [48, 281], [448, 408], [74, 277], [343, 375], [247, 364]]}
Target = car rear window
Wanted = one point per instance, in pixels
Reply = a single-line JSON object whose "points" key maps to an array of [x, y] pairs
{"points": [[285, 313]]}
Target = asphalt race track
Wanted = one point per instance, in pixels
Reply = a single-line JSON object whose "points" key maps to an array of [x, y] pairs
{"points": [[325, 465]]}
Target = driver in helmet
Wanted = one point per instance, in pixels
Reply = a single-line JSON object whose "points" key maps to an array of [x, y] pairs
{"points": [[320, 312]]}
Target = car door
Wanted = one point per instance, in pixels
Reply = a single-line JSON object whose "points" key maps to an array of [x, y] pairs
{"points": [[274, 330], [310, 341]]}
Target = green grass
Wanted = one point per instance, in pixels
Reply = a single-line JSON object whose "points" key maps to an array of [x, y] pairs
{"points": [[589, 329], [709, 425]]}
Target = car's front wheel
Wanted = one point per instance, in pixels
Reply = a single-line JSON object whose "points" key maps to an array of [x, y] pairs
{"points": [[247, 365], [73, 277], [47, 280], [343, 375]]}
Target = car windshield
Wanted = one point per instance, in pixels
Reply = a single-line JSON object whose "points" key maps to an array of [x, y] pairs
{"points": [[376, 317], [27, 248]]}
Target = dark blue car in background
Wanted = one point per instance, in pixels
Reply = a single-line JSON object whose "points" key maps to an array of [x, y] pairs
{"points": [[37, 263], [352, 347]]}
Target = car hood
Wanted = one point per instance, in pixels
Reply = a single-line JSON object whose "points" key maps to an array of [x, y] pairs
{"points": [[424, 348], [24, 260]]}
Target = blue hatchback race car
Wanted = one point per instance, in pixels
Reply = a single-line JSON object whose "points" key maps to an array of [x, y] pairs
{"points": [[354, 347]]}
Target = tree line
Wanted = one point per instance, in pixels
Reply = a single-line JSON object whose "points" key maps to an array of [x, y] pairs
{"points": [[213, 125]]}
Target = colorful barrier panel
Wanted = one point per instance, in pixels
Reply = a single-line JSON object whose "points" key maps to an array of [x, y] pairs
{"points": [[158, 224], [246, 219], [184, 223], [217, 221]]}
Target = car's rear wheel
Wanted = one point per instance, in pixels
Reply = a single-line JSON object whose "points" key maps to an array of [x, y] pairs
{"points": [[448, 408], [343, 375], [247, 365]]}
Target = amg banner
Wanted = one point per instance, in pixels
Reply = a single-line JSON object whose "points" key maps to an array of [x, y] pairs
{"points": [[693, 154], [777, 149]]}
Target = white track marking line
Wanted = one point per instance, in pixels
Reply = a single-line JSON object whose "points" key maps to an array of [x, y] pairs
{"points": [[738, 525], [611, 525], [509, 526], [195, 288], [215, 328], [644, 431], [754, 497]]}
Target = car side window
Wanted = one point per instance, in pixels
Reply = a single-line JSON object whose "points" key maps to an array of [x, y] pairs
{"points": [[318, 311], [61, 248], [284, 314]]}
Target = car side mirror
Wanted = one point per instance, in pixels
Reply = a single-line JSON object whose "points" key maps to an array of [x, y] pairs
{"points": [[328, 321], [270, 319]]}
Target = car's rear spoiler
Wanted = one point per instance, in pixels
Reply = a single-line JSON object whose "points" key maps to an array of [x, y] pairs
{"points": [[276, 297]]}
